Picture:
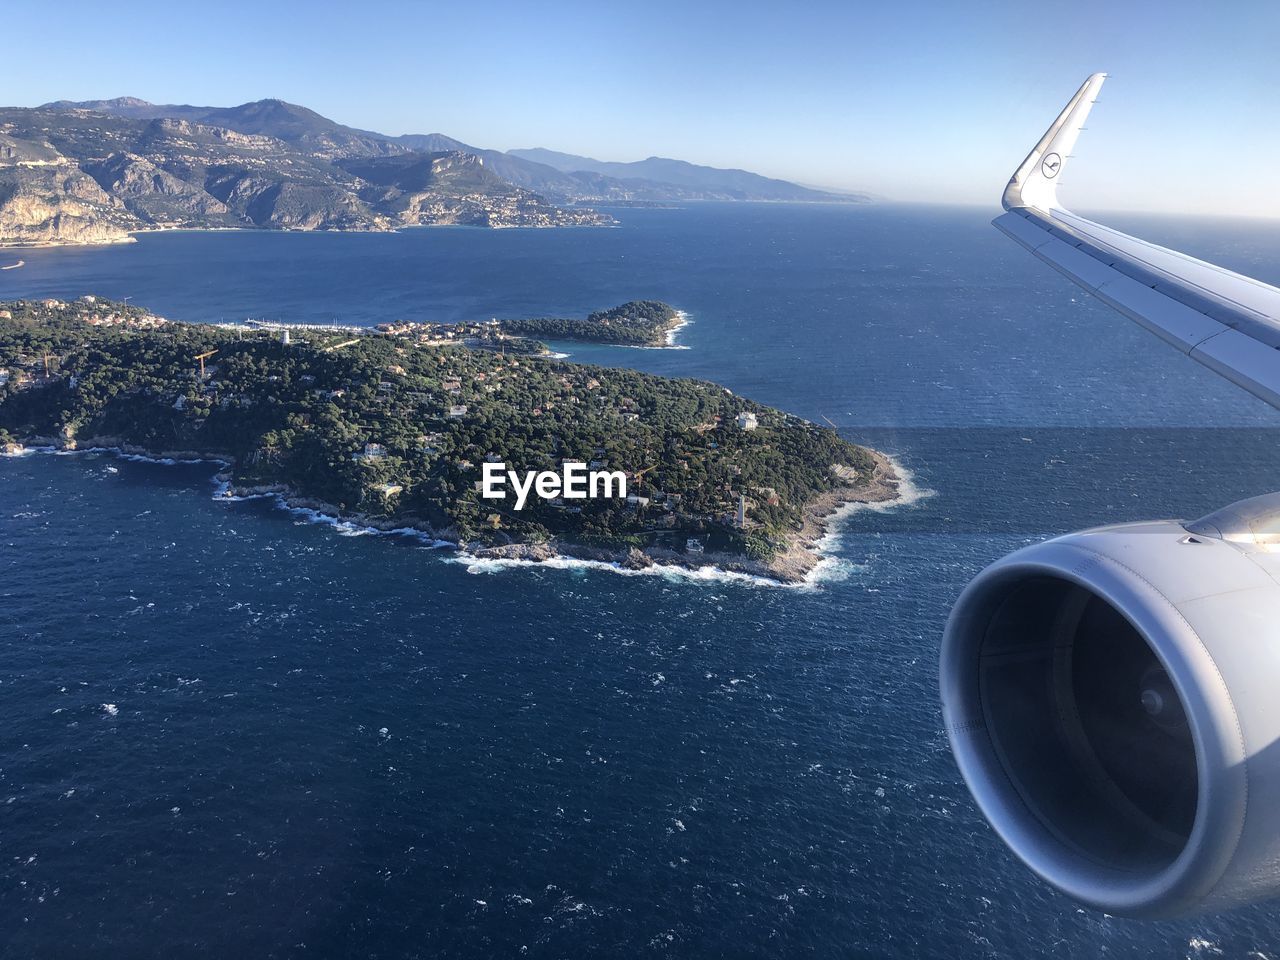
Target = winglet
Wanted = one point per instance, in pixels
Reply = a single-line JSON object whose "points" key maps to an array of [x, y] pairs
{"points": [[1036, 182]]}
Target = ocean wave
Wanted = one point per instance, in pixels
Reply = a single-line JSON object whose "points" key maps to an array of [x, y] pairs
{"points": [[348, 528], [670, 343], [832, 569], [160, 461], [342, 526], [668, 571], [683, 320], [222, 492], [115, 452], [829, 568], [670, 340], [234, 498], [134, 457], [1200, 946], [909, 494]]}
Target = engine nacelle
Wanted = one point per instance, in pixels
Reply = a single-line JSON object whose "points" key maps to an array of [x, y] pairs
{"points": [[1113, 701]]}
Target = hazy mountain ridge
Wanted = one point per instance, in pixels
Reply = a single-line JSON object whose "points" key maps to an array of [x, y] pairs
{"points": [[561, 177], [72, 175], [730, 183], [94, 171], [567, 177]]}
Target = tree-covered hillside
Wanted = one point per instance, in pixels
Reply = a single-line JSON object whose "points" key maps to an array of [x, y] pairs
{"points": [[383, 426], [636, 323]]}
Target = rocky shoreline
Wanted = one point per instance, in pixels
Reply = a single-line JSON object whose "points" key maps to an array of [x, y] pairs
{"points": [[791, 566]]}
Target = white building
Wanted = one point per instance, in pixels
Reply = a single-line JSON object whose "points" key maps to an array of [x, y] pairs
{"points": [[747, 420]]}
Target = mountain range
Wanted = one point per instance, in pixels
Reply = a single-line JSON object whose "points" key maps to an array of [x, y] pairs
{"points": [[95, 171]]}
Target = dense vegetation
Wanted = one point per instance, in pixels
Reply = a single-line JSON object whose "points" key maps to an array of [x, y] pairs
{"points": [[302, 414], [637, 323]]}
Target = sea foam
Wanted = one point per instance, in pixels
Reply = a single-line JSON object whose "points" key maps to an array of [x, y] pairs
{"points": [[668, 571], [909, 494], [829, 568]]}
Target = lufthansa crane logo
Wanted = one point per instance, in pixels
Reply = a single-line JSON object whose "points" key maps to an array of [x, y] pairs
{"points": [[1051, 165]]}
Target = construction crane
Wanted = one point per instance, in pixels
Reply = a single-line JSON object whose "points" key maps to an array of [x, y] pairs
{"points": [[202, 357]]}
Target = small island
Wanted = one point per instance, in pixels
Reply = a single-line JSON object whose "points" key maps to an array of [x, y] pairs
{"points": [[391, 429]]}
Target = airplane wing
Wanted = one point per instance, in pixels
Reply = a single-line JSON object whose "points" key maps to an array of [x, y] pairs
{"points": [[1225, 320]]}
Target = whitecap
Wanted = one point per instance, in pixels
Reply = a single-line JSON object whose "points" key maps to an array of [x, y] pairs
{"points": [[1201, 946], [682, 321], [828, 569], [669, 341], [831, 569], [347, 528], [909, 494], [671, 572]]}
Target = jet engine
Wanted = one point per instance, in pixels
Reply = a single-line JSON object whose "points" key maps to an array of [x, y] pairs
{"points": [[1112, 698]]}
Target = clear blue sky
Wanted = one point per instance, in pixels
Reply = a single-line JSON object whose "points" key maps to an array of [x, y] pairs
{"points": [[912, 100]]}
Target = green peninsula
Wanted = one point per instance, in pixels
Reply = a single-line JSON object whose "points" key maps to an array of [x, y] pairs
{"points": [[393, 431], [637, 323]]}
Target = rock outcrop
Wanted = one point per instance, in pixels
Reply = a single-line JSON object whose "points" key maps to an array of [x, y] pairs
{"points": [[51, 200]]}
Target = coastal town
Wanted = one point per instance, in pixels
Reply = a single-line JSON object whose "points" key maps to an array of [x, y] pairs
{"points": [[476, 334], [86, 309]]}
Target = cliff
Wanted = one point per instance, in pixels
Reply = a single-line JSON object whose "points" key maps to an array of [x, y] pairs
{"points": [[77, 176]]}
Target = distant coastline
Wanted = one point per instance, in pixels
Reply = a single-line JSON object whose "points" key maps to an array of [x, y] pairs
{"points": [[133, 234], [42, 244]]}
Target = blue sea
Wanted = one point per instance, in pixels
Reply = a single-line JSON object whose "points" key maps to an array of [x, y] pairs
{"points": [[227, 730]]}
